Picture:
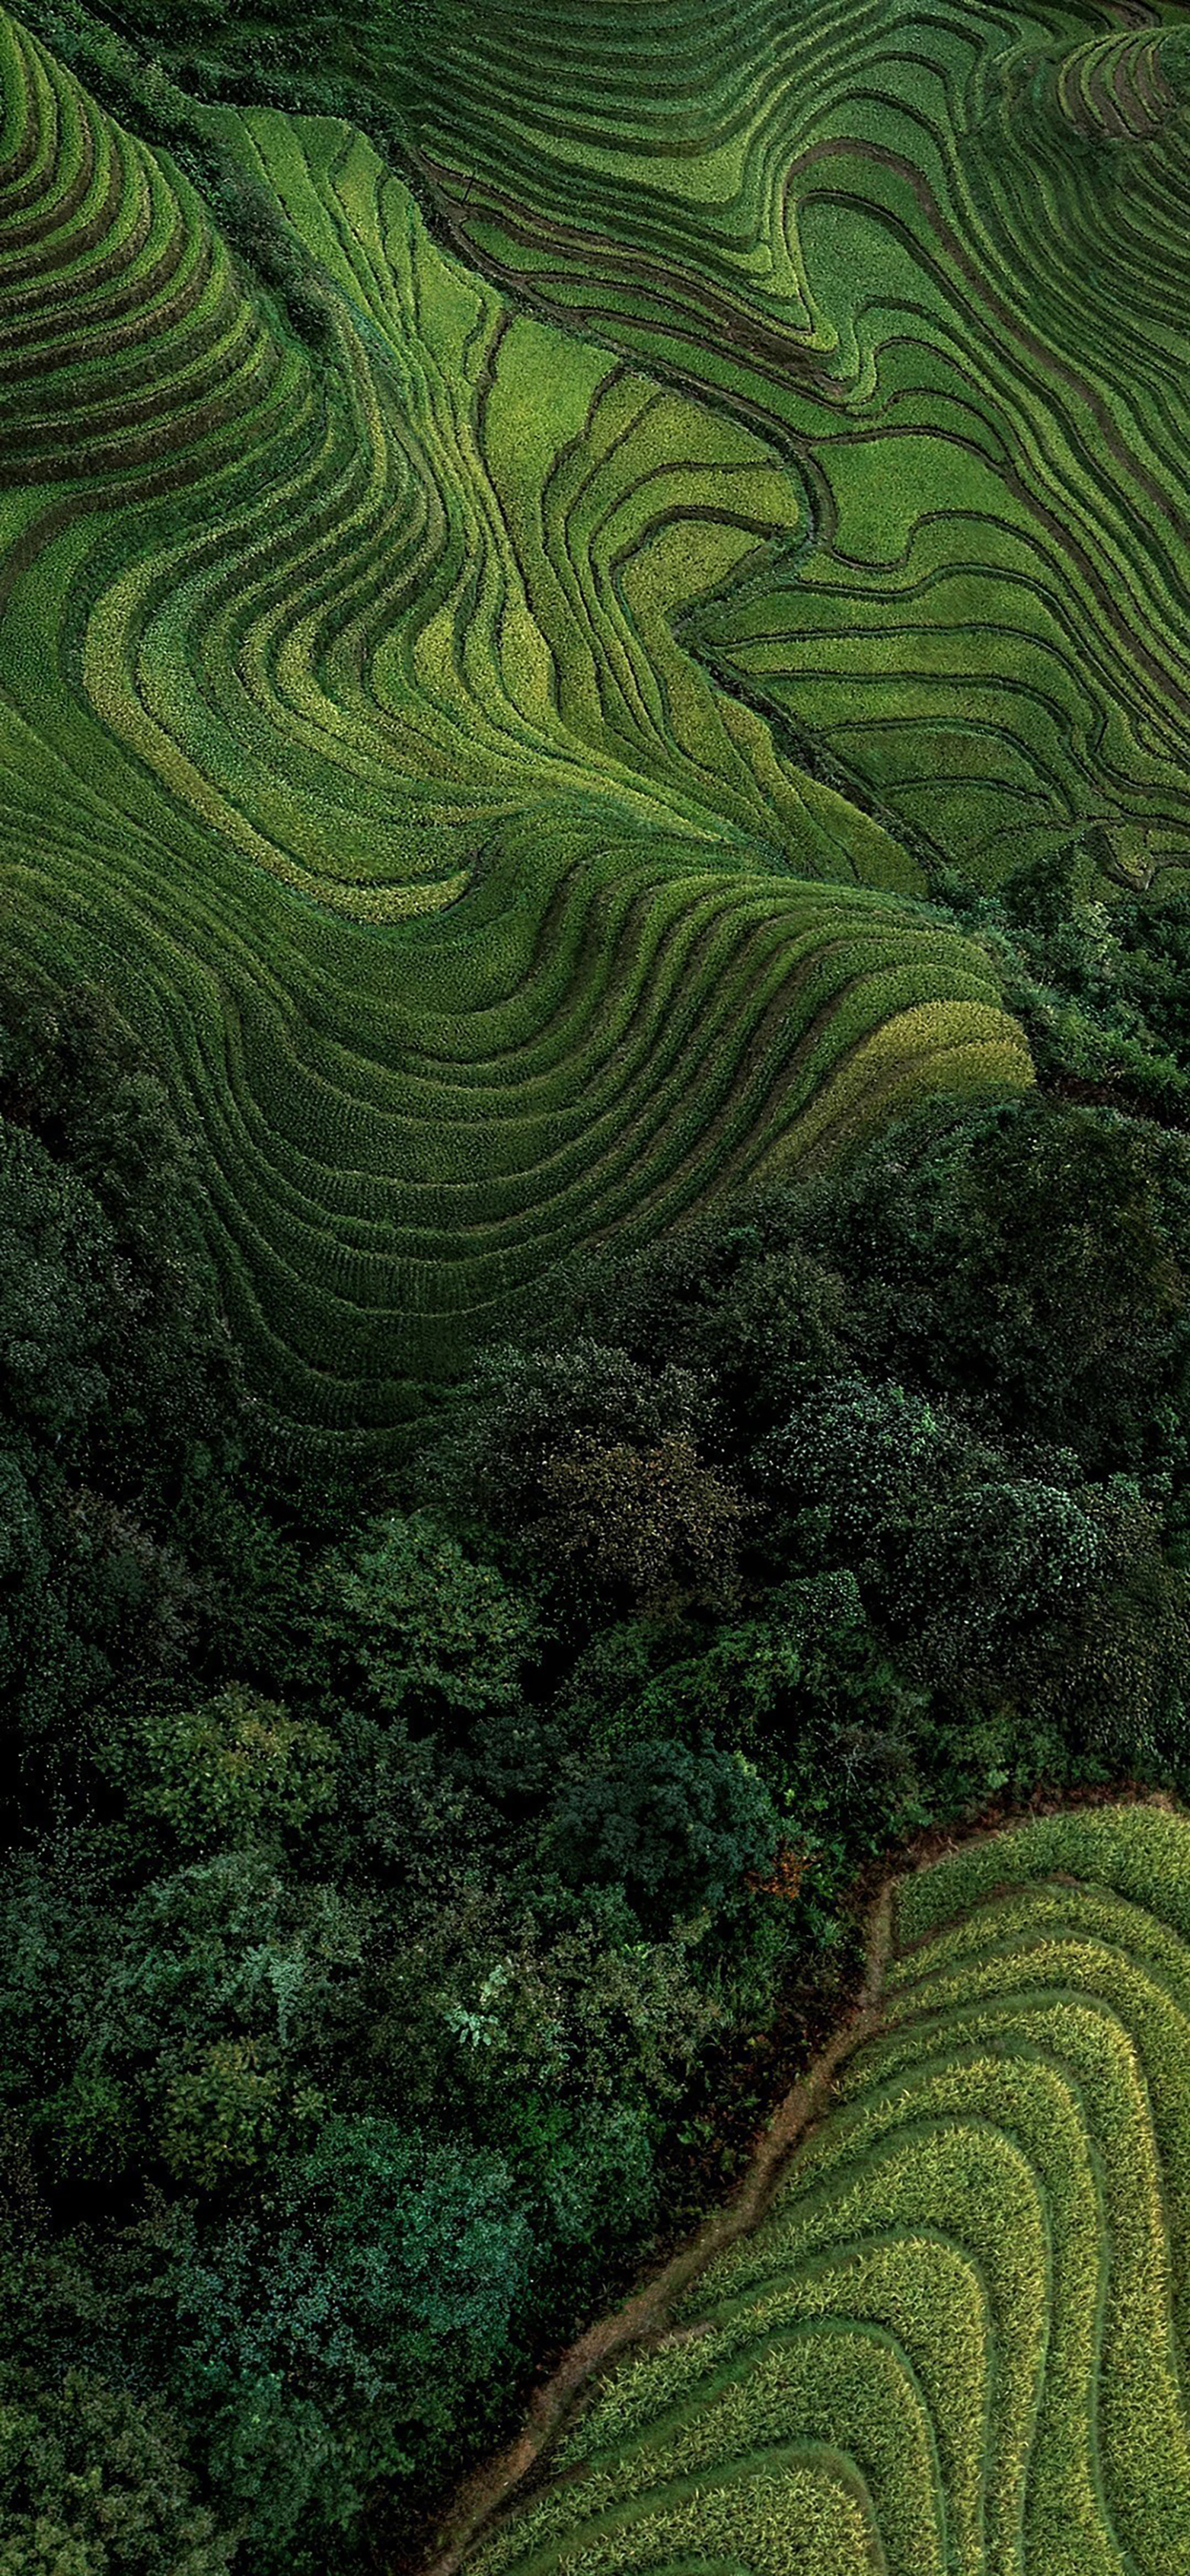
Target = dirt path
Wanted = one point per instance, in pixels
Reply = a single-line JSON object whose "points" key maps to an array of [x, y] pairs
{"points": [[498, 2483]]}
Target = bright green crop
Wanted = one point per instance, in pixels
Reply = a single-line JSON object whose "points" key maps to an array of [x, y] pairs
{"points": [[353, 732], [967, 2296]]}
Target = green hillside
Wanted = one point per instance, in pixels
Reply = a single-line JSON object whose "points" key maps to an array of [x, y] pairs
{"points": [[954, 2345], [352, 734], [491, 738], [940, 255], [594, 1287]]}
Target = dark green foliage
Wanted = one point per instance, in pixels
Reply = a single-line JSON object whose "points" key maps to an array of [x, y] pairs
{"points": [[678, 1828], [201, 2019], [602, 1466], [389, 1889], [112, 1344], [734, 1314], [968, 1407], [418, 1629], [363, 1965], [1098, 988], [333, 2341], [528, 1408], [93, 2482], [1039, 898], [123, 1439], [58, 1262], [1031, 1259], [637, 1525], [236, 1770], [325, 2101], [957, 1550]]}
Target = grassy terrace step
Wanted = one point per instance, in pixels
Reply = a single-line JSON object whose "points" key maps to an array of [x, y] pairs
{"points": [[350, 729], [964, 2313], [940, 256]]}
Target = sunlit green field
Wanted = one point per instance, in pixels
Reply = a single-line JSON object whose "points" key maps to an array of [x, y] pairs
{"points": [[954, 2345], [494, 745], [359, 729]]}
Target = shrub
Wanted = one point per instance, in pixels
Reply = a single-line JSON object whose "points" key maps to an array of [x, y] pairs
{"points": [[678, 1828], [428, 1633], [94, 2482], [238, 1769]]}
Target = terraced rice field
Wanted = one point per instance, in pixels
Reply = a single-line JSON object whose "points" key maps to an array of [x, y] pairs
{"points": [[956, 2343], [941, 254], [428, 736]]}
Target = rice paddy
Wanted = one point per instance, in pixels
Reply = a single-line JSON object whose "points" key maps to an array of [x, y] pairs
{"points": [[955, 2343], [940, 256], [355, 733]]}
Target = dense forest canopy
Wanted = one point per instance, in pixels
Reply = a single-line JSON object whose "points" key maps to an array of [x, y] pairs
{"points": [[397, 1905]]}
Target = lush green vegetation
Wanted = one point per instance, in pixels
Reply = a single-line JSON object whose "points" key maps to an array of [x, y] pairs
{"points": [[352, 739], [952, 2341], [594, 1267], [939, 255], [484, 716], [413, 1896]]}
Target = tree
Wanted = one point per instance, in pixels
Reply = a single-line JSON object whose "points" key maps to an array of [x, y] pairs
{"points": [[94, 2482], [419, 1629], [235, 1770], [956, 1549], [122, 1427], [677, 1827], [337, 2340], [1031, 1258], [641, 1525]]}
